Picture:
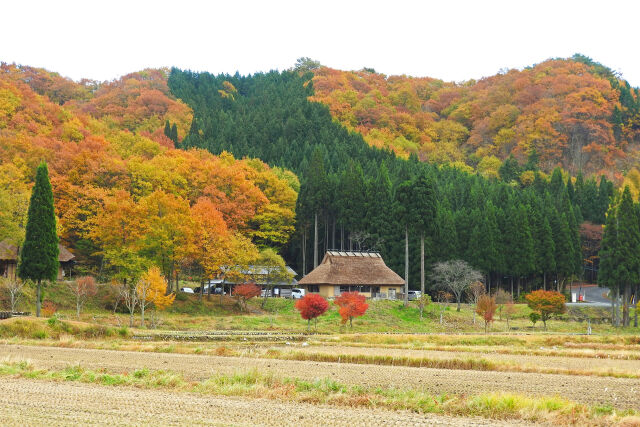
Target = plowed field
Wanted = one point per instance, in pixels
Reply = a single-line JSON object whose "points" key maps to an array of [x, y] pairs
{"points": [[617, 392]]}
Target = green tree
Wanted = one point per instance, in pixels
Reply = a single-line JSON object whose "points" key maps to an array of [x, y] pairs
{"points": [[39, 256], [627, 249], [174, 133], [424, 201]]}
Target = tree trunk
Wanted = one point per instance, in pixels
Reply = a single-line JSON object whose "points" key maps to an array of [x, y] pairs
{"points": [[458, 298], [333, 234], [142, 315], [421, 267], [78, 307], [544, 281], [635, 311], [625, 305], [341, 237], [304, 252], [38, 299], [511, 287], [406, 265], [315, 241]]}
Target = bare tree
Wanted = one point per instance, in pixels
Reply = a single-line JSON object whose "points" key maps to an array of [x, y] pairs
{"points": [[422, 302], [13, 287], [475, 291], [83, 288], [455, 276], [443, 298], [127, 293]]}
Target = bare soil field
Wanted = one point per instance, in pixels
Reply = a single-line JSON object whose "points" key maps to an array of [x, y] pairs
{"points": [[33, 402], [618, 392]]}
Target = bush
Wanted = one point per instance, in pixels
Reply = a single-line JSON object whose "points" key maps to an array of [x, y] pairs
{"points": [[48, 308]]}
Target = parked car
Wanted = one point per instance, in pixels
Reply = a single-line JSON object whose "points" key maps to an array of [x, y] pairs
{"points": [[187, 290], [205, 290], [414, 295], [297, 293]]}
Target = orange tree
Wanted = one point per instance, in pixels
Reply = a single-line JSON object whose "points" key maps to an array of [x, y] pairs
{"points": [[486, 307], [352, 304], [245, 292], [312, 306], [547, 303]]}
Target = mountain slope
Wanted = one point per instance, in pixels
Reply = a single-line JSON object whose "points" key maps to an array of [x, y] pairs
{"points": [[575, 113]]}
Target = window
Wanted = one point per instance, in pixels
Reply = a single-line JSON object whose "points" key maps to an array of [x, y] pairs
{"points": [[314, 288]]}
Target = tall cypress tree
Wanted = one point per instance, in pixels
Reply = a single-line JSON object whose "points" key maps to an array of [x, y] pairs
{"points": [[174, 133], [627, 248], [167, 129], [424, 202], [39, 256]]}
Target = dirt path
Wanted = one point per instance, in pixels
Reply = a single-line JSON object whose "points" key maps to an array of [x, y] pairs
{"points": [[618, 392], [556, 362], [31, 402]]}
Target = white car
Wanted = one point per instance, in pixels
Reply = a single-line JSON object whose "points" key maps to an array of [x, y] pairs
{"points": [[187, 290], [414, 295], [297, 293]]}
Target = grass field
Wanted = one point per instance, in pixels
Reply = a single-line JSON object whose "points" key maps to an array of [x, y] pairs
{"points": [[250, 368]]}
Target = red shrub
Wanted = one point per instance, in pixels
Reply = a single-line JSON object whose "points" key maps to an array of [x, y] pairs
{"points": [[245, 292], [351, 304], [311, 306]]}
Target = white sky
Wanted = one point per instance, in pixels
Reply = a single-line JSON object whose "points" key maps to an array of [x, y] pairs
{"points": [[451, 40]]}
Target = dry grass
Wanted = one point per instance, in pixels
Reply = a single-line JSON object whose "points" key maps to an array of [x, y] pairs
{"points": [[500, 406]]}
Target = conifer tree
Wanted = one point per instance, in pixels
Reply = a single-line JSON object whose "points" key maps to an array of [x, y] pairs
{"points": [[167, 129], [39, 255], [627, 249], [424, 201], [406, 214], [174, 133]]}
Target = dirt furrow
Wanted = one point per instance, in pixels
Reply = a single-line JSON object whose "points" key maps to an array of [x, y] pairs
{"points": [[32, 402], [618, 392]]}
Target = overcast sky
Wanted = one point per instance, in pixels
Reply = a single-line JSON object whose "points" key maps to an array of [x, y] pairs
{"points": [[451, 40]]}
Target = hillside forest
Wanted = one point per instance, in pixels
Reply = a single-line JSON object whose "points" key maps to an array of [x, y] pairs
{"points": [[194, 172]]}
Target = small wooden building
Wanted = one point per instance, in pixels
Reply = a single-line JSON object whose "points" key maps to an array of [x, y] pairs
{"points": [[9, 261], [349, 271]]}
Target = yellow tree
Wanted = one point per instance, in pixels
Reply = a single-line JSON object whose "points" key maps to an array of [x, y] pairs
{"points": [[169, 219], [151, 290]]}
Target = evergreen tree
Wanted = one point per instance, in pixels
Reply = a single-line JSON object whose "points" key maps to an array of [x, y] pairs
{"points": [[510, 169], [424, 207], [174, 133], [406, 213], [39, 255], [627, 249], [167, 129]]}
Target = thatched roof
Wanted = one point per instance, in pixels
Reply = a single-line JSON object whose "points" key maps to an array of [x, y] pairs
{"points": [[9, 252], [64, 254], [352, 268]]}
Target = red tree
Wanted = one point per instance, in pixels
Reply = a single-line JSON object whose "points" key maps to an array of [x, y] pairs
{"points": [[245, 292], [311, 306], [351, 304]]}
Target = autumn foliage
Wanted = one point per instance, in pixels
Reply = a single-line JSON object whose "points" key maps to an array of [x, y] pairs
{"points": [[566, 109], [311, 306], [547, 303], [486, 308], [122, 193], [352, 304], [245, 292]]}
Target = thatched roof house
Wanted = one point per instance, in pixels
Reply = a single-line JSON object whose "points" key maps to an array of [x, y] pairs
{"points": [[9, 260], [350, 271]]}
